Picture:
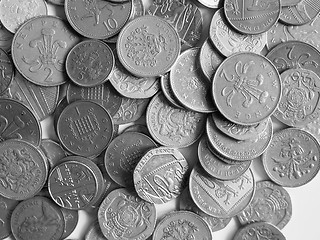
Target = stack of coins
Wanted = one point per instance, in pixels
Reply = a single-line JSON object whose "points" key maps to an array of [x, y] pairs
{"points": [[151, 103]]}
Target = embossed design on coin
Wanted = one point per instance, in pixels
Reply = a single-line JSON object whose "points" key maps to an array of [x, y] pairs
{"points": [[246, 88], [271, 203], [123, 215], [173, 127], [292, 159], [160, 175], [6, 207]]}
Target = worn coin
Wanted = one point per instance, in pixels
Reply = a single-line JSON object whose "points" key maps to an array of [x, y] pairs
{"points": [[6, 207], [300, 100], [6, 38], [123, 154], [37, 218], [94, 232], [222, 199], [292, 158], [160, 175], [40, 47], [125, 216], [238, 150], [103, 94], [259, 230], [97, 19], [171, 126], [167, 90], [189, 85], [148, 46], [252, 16], [89, 63], [85, 128], [271, 203], [228, 41], [53, 151], [186, 203], [70, 218], [246, 88], [183, 15], [13, 13], [209, 59], [194, 227], [216, 167], [41, 100], [7, 71]]}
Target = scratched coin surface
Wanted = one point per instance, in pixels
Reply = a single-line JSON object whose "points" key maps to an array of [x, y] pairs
{"points": [[246, 88], [216, 167], [7, 71], [194, 227], [167, 90], [70, 218], [41, 100], [171, 126], [292, 158], [238, 150], [189, 84], [6, 38], [97, 19], [300, 100], [6, 207], [301, 13], [18, 122], [218, 198], [228, 41], [37, 218], [186, 203], [40, 47], [125, 216], [89, 63], [259, 230], [148, 46], [123, 154], [85, 128], [103, 94], [184, 16], [160, 175], [53, 151], [13, 13], [252, 16], [271, 203]]}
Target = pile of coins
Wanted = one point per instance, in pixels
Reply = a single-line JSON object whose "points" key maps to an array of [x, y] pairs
{"points": [[115, 63]]}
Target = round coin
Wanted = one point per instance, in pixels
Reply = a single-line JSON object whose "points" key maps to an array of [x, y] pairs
{"points": [[222, 199], [292, 158], [148, 46], [70, 218], [160, 175], [123, 154], [98, 19], [40, 47], [246, 88], [7, 71], [271, 203], [252, 16], [37, 218], [194, 227], [6, 207], [167, 90], [85, 128], [124, 216], [171, 126], [140, 128], [89, 63]]}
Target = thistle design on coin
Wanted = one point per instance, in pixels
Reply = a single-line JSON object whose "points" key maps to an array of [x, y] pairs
{"points": [[180, 230]]}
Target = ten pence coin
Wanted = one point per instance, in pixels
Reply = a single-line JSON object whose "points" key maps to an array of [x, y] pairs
{"points": [[40, 47], [148, 46], [194, 227], [7, 71], [271, 203], [292, 158], [160, 175], [222, 199], [125, 216], [6, 207], [246, 88]]}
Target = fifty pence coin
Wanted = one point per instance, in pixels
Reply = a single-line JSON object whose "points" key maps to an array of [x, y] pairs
{"points": [[292, 158], [246, 88], [6, 207], [160, 175], [148, 46], [40, 47], [125, 216], [271, 203], [85, 128], [7, 71]]}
